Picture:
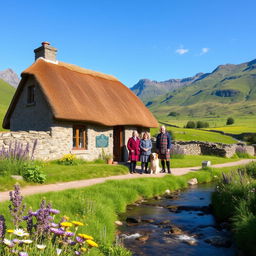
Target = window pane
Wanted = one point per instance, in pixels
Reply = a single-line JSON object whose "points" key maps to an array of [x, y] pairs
{"points": [[74, 142]]}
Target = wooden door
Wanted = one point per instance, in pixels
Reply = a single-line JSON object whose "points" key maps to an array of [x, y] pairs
{"points": [[118, 143]]}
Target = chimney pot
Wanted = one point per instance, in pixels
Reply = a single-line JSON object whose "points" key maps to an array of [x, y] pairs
{"points": [[45, 43]]}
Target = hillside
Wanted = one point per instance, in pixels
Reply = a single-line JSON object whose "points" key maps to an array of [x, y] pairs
{"points": [[6, 94], [9, 76], [228, 90], [147, 89]]}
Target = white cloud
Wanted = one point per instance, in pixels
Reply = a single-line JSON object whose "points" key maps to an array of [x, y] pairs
{"points": [[204, 51], [182, 50]]}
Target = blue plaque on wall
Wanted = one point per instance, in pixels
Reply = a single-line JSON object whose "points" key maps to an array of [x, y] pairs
{"points": [[101, 141]]}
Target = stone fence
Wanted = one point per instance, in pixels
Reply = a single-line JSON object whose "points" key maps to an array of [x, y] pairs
{"points": [[54, 144], [208, 148]]}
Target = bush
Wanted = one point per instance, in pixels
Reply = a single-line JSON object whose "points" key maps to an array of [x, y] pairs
{"points": [[191, 124], [32, 173], [173, 114], [230, 121], [251, 169]]}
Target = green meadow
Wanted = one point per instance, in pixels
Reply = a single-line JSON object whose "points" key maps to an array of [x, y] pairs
{"points": [[98, 206]]}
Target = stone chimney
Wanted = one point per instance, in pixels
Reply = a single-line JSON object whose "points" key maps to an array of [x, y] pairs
{"points": [[46, 51]]}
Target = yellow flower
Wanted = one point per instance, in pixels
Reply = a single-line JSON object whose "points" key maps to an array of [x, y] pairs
{"points": [[86, 237], [92, 243], [83, 249], [9, 230], [77, 223], [66, 224]]}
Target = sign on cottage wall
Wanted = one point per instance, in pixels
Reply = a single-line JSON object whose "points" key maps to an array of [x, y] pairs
{"points": [[101, 141]]}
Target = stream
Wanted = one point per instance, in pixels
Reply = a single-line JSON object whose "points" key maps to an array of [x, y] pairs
{"points": [[177, 224]]}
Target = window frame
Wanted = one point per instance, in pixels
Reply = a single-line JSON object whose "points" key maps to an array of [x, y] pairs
{"points": [[31, 95], [75, 135]]}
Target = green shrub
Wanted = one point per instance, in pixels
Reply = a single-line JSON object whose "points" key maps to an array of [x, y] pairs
{"points": [[32, 173], [230, 121], [191, 124], [251, 169]]}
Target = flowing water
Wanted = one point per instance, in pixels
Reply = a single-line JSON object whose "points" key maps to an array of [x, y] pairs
{"points": [[178, 224]]}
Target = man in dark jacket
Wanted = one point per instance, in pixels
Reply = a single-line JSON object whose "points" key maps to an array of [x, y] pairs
{"points": [[163, 146]]}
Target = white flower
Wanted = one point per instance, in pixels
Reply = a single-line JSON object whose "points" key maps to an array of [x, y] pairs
{"points": [[27, 241], [8, 242], [20, 232], [58, 251], [40, 246]]}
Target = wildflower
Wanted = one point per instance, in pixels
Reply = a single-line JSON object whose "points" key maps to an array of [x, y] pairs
{"points": [[57, 231], [17, 207], [23, 254], [77, 253], [20, 232], [86, 237], [54, 225], [77, 223], [66, 224], [54, 211], [10, 230], [8, 242], [80, 239], [2, 226], [92, 243], [71, 242], [83, 249], [58, 251], [16, 241], [68, 233], [26, 241], [40, 246]]}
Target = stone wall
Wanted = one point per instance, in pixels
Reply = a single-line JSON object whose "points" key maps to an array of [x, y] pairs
{"points": [[205, 148]]}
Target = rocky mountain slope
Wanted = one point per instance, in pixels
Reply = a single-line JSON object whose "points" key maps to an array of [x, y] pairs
{"points": [[228, 90], [9, 76], [147, 89]]}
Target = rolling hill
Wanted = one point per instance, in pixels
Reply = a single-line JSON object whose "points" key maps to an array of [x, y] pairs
{"points": [[6, 94], [228, 90]]}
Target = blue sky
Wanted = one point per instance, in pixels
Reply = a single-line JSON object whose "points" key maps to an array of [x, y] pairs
{"points": [[131, 39]]}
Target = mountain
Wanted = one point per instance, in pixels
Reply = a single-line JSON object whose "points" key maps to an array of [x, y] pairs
{"points": [[6, 94], [9, 76], [147, 89], [228, 90]]}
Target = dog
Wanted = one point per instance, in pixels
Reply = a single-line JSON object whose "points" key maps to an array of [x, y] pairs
{"points": [[154, 164]]}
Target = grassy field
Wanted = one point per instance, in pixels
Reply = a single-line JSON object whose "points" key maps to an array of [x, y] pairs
{"points": [[63, 173], [99, 205], [183, 134]]}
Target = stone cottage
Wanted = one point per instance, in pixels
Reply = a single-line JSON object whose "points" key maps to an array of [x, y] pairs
{"points": [[69, 109]]}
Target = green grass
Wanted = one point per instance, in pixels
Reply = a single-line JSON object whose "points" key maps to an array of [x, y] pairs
{"points": [[99, 205], [183, 134], [6, 94], [235, 201]]}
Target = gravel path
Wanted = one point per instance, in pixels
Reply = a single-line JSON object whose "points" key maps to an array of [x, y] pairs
{"points": [[29, 190]]}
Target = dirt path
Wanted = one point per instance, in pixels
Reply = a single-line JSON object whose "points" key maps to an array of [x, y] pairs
{"points": [[29, 190]]}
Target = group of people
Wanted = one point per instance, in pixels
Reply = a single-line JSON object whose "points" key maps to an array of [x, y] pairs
{"points": [[140, 150]]}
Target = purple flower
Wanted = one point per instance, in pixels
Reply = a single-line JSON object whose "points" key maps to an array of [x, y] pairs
{"points": [[79, 239], [16, 207], [68, 233], [77, 253], [43, 219], [54, 211], [71, 242], [16, 241], [23, 254], [54, 225], [2, 227], [57, 231]]}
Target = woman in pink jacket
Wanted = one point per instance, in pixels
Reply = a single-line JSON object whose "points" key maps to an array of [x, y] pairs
{"points": [[133, 146]]}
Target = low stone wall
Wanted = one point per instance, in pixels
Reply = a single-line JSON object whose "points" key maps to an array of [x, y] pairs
{"points": [[206, 148]]}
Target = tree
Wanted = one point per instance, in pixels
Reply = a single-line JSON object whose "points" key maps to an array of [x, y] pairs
{"points": [[230, 121], [190, 124]]}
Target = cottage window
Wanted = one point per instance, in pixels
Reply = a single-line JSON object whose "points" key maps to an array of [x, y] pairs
{"points": [[79, 137], [31, 95]]}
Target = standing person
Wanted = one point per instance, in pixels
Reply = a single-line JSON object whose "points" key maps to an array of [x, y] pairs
{"points": [[163, 146], [133, 146], [145, 151]]}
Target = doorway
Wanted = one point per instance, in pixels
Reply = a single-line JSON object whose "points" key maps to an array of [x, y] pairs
{"points": [[118, 143]]}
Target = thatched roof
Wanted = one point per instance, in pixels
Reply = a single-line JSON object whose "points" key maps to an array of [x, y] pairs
{"points": [[78, 94]]}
